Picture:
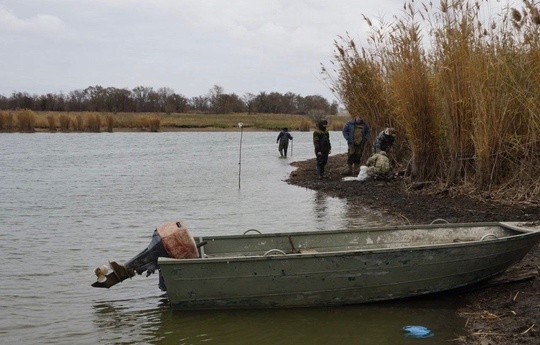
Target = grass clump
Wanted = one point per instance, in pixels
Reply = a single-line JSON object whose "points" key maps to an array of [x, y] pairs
{"points": [[26, 121], [93, 123], [304, 126], [64, 121], [6, 121], [109, 122], [52, 122], [79, 123], [154, 123]]}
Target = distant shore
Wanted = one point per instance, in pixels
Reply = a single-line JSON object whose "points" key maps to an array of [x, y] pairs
{"points": [[26, 121]]}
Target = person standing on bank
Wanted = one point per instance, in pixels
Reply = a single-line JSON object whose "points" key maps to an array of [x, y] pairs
{"points": [[283, 139], [321, 141], [384, 140], [356, 132]]}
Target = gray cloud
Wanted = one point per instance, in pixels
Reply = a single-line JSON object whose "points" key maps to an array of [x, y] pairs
{"points": [[189, 46]]}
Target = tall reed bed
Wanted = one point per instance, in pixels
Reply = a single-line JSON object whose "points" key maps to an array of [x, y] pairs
{"points": [[460, 84]]}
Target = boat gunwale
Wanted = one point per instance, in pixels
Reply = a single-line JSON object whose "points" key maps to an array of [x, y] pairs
{"points": [[521, 235], [509, 225]]}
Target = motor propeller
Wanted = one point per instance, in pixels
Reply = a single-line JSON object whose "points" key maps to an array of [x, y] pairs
{"points": [[171, 240]]}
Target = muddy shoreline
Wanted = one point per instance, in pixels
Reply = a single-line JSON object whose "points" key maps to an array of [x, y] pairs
{"points": [[504, 313]]}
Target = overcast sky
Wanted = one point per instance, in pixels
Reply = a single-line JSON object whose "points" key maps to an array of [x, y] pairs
{"points": [[186, 45]]}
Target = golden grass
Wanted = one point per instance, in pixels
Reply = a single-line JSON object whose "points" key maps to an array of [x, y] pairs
{"points": [[6, 121], [79, 123], [93, 123], [52, 122], [65, 122], [26, 121], [109, 121], [154, 123]]}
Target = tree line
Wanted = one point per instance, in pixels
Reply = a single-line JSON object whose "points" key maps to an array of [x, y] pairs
{"points": [[166, 100]]}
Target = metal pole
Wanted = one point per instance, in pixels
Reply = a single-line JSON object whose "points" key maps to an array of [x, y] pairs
{"points": [[292, 145], [241, 125]]}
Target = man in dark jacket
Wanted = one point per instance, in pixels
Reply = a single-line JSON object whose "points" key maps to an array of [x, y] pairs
{"points": [[283, 139], [356, 132], [384, 140], [321, 142]]}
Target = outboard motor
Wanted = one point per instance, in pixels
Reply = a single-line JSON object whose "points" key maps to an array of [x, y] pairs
{"points": [[171, 240]]}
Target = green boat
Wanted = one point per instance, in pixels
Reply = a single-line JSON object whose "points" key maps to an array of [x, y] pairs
{"points": [[331, 268]]}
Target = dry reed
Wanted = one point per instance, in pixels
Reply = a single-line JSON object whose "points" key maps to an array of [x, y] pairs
{"points": [[154, 123], [65, 122], [109, 121], [79, 123], [6, 121], [26, 121], [304, 126], [93, 123], [51, 122]]}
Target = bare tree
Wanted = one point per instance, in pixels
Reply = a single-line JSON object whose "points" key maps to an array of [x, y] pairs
{"points": [[200, 104], [215, 98], [140, 94], [249, 100]]}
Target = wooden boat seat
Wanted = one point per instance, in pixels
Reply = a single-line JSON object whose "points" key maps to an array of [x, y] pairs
{"points": [[308, 251]]}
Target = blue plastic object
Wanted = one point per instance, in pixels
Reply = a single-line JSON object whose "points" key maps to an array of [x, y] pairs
{"points": [[417, 332]]}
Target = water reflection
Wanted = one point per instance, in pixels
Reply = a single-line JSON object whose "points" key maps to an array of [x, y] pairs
{"points": [[365, 324], [320, 205], [358, 216], [129, 321]]}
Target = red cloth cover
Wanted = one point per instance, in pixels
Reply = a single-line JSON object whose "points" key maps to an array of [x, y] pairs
{"points": [[177, 241]]}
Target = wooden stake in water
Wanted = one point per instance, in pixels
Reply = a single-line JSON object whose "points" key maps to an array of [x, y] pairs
{"points": [[241, 125]]}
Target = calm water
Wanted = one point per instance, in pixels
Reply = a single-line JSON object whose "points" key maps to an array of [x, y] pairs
{"points": [[71, 202]]}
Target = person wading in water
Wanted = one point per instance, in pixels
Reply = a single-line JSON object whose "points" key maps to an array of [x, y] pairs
{"points": [[283, 139]]}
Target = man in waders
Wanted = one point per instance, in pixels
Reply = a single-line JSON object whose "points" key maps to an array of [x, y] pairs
{"points": [[384, 140], [356, 132], [283, 139], [321, 142]]}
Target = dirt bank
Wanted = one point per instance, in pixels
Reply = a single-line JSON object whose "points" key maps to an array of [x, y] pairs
{"points": [[503, 314]]}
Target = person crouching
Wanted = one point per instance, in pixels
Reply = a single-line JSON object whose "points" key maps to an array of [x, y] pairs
{"points": [[379, 166]]}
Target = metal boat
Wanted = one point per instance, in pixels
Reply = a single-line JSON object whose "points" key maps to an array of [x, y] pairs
{"points": [[338, 267]]}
